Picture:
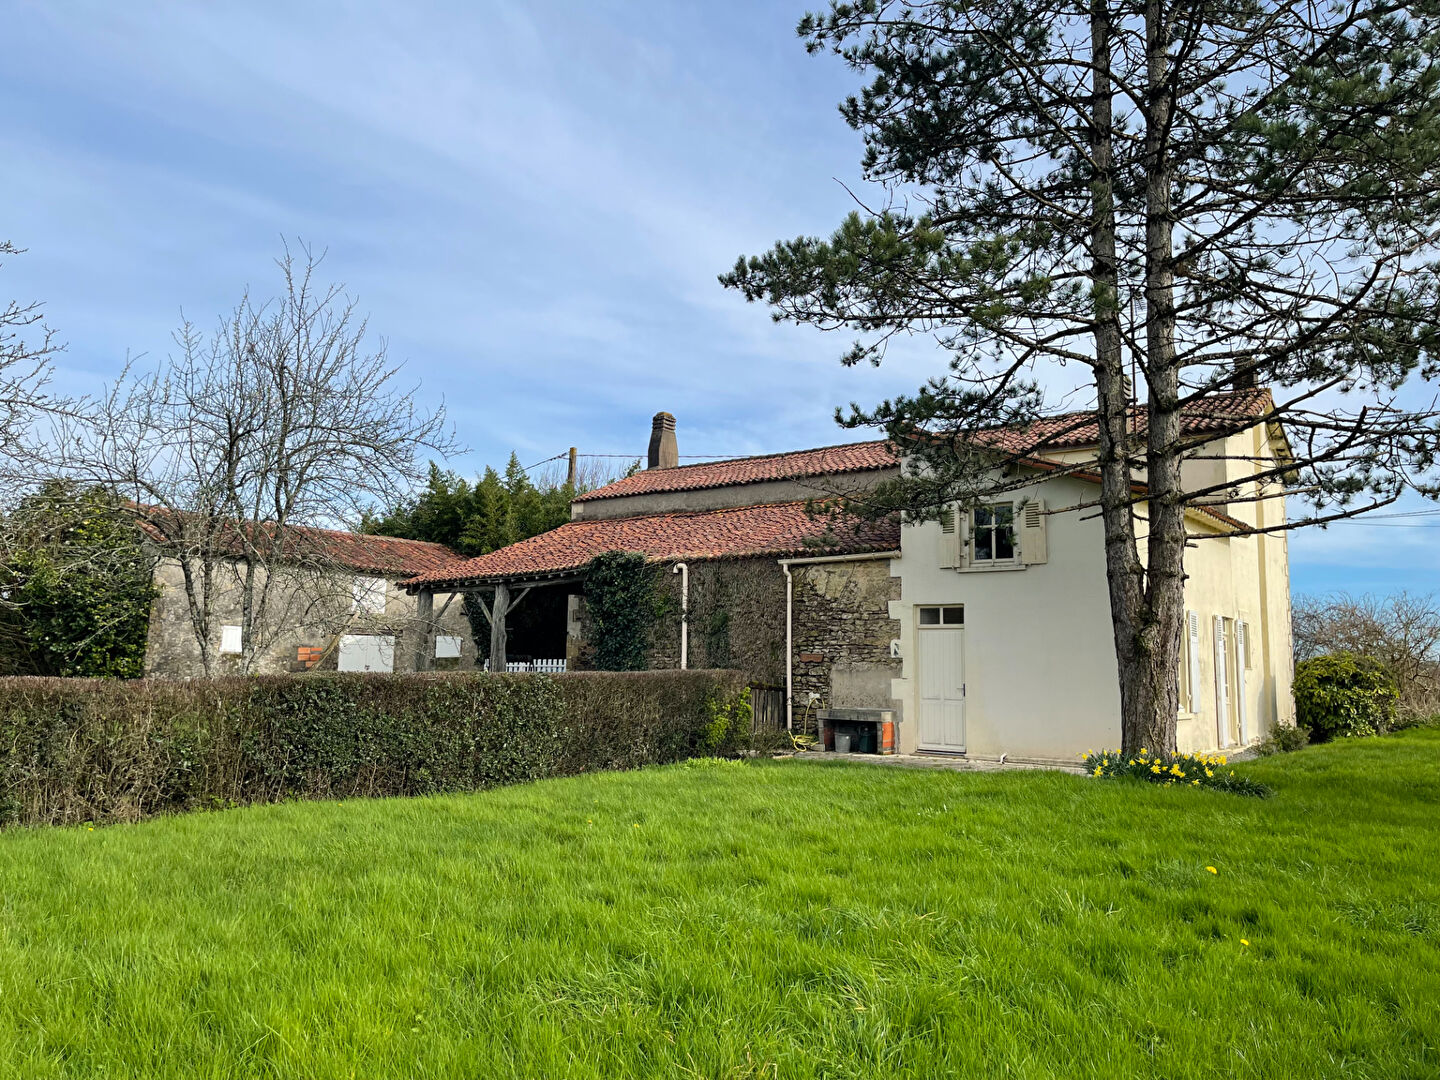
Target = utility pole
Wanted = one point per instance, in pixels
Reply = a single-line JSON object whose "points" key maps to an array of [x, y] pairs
{"points": [[570, 472]]}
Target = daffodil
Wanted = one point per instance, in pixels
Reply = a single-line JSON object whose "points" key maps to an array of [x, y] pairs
{"points": [[1212, 870]]}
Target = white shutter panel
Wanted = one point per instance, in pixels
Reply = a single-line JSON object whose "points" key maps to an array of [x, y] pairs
{"points": [[1240, 647], [1034, 545], [1192, 621], [1222, 695], [950, 537]]}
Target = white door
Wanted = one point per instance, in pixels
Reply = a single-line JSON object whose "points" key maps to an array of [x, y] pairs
{"points": [[941, 635], [367, 652]]}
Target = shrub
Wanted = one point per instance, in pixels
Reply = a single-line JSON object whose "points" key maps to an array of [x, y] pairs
{"points": [[1186, 770], [1284, 740], [91, 750], [1344, 694]]}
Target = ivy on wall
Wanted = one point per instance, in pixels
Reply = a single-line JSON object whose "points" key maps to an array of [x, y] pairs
{"points": [[620, 600]]}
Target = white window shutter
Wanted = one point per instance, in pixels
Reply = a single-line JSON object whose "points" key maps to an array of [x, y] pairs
{"points": [[1222, 688], [1192, 627], [1240, 652], [952, 538], [1034, 545], [231, 640], [949, 538]]}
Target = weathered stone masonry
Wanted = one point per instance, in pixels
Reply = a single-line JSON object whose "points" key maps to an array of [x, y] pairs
{"points": [[842, 633]]}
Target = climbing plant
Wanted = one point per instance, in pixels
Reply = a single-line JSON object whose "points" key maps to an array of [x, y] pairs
{"points": [[620, 601]]}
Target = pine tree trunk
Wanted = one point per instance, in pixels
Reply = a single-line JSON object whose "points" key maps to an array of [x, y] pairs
{"points": [[1125, 574], [1151, 664]]}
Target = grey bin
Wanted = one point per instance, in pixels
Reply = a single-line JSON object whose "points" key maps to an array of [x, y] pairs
{"points": [[842, 742]]}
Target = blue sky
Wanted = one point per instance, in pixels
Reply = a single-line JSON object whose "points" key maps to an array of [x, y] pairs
{"points": [[532, 202]]}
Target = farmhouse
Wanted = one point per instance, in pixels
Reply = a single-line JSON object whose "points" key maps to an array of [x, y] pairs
{"points": [[336, 602], [985, 634]]}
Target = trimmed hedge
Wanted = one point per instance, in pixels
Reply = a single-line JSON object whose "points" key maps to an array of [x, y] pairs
{"points": [[1344, 694], [75, 750]]}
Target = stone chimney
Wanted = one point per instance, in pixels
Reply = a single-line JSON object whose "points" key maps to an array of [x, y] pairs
{"points": [[663, 452]]}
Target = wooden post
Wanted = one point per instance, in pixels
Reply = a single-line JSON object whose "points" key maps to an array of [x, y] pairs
{"points": [[498, 610], [424, 628], [571, 471]]}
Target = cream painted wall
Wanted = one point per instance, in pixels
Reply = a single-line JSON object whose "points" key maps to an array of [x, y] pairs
{"points": [[1039, 662], [1040, 670]]}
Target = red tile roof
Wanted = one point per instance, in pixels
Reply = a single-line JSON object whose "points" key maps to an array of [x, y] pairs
{"points": [[794, 465], [770, 530], [385, 556], [1215, 414]]}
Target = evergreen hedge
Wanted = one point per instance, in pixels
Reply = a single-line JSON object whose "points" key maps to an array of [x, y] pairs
{"points": [[74, 750]]}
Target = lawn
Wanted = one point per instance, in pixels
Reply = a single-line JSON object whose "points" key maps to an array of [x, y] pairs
{"points": [[776, 919]]}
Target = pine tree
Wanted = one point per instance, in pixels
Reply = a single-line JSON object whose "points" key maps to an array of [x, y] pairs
{"points": [[1208, 192]]}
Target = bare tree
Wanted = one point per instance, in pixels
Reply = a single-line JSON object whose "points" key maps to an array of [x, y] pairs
{"points": [[285, 417], [1401, 630], [27, 351]]}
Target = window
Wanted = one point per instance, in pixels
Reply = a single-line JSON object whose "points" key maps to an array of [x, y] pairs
{"points": [[993, 534], [447, 647], [942, 616], [368, 594], [231, 640]]}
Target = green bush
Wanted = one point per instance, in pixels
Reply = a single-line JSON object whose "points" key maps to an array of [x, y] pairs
{"points": [[1344, 694], [91, 750], [1284, 740], [1170, 770]]}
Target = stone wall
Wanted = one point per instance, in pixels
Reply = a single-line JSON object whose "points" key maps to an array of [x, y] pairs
{"points": [[305, 611], [737, 618], [842, 634], [841, 625]]}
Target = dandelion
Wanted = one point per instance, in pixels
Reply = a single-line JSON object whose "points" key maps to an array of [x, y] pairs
{"points": [[1212, 870], [1244, 942]]}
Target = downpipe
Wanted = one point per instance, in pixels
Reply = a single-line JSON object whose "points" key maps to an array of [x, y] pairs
{"points": [[684, 571]]}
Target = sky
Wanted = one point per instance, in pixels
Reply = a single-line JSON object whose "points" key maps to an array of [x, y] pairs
{"points": [[531, 201]]}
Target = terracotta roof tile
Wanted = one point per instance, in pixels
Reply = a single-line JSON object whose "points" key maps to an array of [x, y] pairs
{"points": [[1213, 415], [386, 556], [771, 530], [794, 465]]}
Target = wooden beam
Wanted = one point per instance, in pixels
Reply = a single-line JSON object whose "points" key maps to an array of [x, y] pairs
{"points": [[424, 628], [498, 611]]}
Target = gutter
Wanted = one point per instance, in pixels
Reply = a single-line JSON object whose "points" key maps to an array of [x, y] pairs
{"points": [[785, 565]]}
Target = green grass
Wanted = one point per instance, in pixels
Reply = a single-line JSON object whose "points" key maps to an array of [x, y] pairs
{"points": [[775, 919]]}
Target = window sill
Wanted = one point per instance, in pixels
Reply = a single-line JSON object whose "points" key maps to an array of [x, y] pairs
{"points": [[997, 568]]}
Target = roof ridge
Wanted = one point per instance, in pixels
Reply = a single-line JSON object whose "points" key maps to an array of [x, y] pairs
{"points": [[773, 454]]}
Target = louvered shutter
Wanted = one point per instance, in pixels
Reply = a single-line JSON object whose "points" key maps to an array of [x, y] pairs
{"points": [[1192, 627], [951, 537], [1034, 545], [1222, 688], [1240, 654]]}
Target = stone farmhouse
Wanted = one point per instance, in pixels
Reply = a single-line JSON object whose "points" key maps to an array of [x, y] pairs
{"points": [[342, 606], [987, 634]]}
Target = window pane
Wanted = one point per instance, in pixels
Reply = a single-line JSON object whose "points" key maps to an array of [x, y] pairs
{"points": [[983, 541], [1004, 542], [954, 616], [1004, 514], [929, 616], [982, 515]]}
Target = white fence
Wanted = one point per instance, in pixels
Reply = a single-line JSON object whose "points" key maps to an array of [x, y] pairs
{"points": [[550, 667]]}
